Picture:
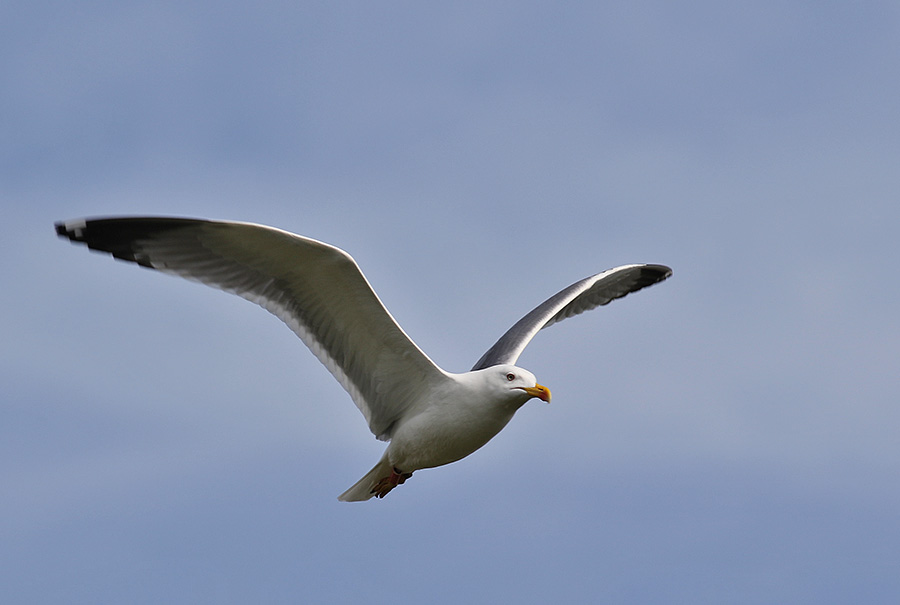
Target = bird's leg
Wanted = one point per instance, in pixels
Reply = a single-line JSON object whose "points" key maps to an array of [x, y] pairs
{"points": [[386, 484]]}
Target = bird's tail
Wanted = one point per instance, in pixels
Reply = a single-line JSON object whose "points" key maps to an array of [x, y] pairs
{"points": [[362, 489]]}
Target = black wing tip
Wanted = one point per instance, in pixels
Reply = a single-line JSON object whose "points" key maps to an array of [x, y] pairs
{"points": [[120, 237], [660, 272], [649, 275], [105, 228], [70, 230]]}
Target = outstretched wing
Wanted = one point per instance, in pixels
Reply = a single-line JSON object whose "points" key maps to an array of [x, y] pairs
{"points": [[581, 296], [316, 289]]}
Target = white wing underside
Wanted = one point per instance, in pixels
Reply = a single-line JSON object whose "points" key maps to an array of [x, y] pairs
{"points": [[316, 289]]}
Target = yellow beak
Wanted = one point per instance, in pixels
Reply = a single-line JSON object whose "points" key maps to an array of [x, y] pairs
{"points": [[539, 391]]}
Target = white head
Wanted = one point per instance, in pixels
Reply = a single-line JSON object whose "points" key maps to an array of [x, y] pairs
{"points": [[512, 383]]}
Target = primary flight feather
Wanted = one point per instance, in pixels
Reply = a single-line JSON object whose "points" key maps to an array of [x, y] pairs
{"points": [[431, 417]]}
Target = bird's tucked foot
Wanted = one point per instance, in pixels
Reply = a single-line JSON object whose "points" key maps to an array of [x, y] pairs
{"points": [[386, 484]]}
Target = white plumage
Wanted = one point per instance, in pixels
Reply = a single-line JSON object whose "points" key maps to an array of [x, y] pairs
{"points": [[431, 417]]}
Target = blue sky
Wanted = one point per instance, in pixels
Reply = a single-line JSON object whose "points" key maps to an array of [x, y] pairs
{"points": [[727, 436]]}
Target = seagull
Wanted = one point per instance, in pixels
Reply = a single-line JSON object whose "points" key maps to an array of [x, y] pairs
{"points": [[429, 416]]}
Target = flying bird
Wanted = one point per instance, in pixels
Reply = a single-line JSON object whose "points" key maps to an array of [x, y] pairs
{"points": [[431, 417]]}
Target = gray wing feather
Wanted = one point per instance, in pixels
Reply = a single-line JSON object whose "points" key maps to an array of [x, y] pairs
{"points": [[581, 296], [316, 289]]}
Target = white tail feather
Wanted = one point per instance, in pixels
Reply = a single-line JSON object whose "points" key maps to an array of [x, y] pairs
{"points": [[362, 489]]}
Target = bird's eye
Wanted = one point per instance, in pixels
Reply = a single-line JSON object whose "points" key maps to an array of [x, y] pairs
{"points": [[510, 377]]}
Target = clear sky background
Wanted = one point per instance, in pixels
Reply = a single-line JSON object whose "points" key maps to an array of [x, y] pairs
{"points": [[730, 435]]}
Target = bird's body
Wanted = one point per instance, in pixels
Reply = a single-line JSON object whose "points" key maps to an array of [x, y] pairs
{"points": [[431, 417], [461, 415], [454, 423]]}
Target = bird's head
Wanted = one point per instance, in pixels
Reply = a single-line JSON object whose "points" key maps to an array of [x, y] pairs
{"points": [[517, 382]]}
